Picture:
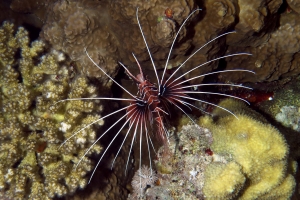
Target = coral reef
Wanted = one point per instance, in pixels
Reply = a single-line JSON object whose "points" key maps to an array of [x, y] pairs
{"points": [[180, 169], [253, 14], [72, 26], [18, 18], [28, 6], [109, 31], [295, 5], [274, 57], [100, 28], [262, 28], [258, 160], [285, 106], [289, 116], [225, 158], [284, 109], [32, 126]]}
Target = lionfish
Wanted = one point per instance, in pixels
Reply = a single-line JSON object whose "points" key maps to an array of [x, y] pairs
{"points": [[150, 107]]}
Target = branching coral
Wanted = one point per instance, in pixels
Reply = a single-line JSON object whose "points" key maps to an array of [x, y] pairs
{"points": [[32, 126]]}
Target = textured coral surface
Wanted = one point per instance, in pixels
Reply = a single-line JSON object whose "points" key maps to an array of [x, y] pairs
{"points": [[180, 169], [258, 165], [109, 31], [32, 164], [277, 57], [231, 158]]}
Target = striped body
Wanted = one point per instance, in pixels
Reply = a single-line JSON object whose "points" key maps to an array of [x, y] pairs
{"points": [[148, 103]]}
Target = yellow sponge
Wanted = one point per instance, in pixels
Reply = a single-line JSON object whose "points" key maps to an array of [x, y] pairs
{"points": [[260, 150], [217, 185]]}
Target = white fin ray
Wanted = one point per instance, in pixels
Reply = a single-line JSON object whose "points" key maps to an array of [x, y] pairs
{"points": [[171, 48], [187, 97], [92, 124], [112, 140], [237, 54]]}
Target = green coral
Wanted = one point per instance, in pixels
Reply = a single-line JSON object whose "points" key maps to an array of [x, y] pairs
{"points": [[33, 165]]}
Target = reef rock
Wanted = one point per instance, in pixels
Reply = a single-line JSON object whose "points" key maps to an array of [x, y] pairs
{"points": [[109, 32]]}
